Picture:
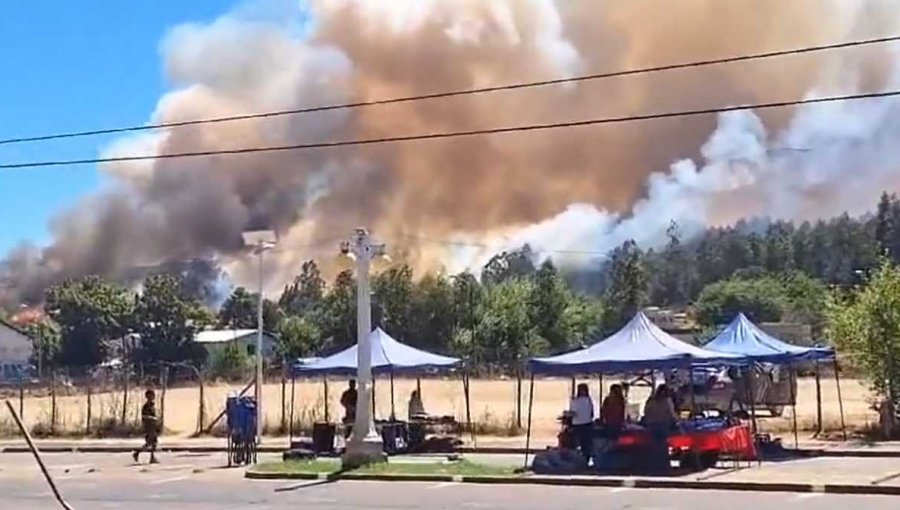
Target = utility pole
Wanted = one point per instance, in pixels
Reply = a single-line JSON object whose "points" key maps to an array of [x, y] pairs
{"points": [[365, 445]]}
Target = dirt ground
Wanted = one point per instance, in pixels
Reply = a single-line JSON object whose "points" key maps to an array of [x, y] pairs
{"points": [[492, 404]]}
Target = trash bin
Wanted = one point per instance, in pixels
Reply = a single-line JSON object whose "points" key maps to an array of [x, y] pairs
{"points": [[323, 437]]}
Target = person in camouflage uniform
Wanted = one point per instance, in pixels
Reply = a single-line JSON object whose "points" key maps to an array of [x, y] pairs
{"points": [[150, 424]]}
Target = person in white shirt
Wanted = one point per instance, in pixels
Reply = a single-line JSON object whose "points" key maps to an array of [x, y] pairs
{"points": [[416, 408], [581, 409]]}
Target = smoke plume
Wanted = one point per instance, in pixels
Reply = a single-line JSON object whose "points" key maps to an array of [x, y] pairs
{"points": [[565, 190]]}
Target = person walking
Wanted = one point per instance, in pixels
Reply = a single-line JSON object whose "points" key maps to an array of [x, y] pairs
{"points": [[150, 424]]}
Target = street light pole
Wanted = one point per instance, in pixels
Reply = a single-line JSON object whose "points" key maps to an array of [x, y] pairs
{"points": [[261, 241], [259, 345], [365, 445]]}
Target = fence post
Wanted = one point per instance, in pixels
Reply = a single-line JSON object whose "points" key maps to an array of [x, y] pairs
{"points": [[164, 382], [125, 395], [518, 397], [53, 405], [21, 397], [89, 394], [283, 401], [202, 409]]}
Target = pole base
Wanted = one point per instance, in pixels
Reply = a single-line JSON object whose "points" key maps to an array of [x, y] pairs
{"points": [[369, 450]]}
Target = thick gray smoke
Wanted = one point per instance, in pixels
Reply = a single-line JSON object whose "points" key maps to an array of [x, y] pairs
{"points": [[576, 189]]}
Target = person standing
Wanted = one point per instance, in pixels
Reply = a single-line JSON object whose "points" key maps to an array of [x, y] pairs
{"points": [[612, 412], [416, 409], [582, 410], [348, 401], [150, 424], [660, 419]]}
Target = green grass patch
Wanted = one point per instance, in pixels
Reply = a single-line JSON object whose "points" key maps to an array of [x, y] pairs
{"points": [[397, 467]]}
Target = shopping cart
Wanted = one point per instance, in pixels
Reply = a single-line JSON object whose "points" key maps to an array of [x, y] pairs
{"points": [[241, 417]]}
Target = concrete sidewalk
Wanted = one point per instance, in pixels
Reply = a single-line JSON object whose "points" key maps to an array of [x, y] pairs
{"points": [[484, 445]]}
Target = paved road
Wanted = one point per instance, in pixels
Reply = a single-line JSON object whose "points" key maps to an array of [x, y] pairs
{"points": [[197, 482]]}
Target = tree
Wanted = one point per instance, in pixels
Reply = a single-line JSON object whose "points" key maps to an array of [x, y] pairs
{"points": [[507, 265], [583, 316], [674, 275], [167, 318], [548, 302], [467, 296], [46, 343], [779, 247], [467, 293], [90, 312], [298, 337], [393, 292], [885, 229], [806, 300], [241, 309], [627, 292], [869, 328], [761, 300], [432, 319], [230, 362], [505, 326], [305, 294], [338, 320]]}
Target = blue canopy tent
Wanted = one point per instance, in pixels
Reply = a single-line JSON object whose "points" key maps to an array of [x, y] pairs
{"points": [[388, 357], [639, 345], [743, 337]]}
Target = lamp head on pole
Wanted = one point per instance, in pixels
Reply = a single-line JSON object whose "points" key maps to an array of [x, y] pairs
{"points": [[260, 240]]}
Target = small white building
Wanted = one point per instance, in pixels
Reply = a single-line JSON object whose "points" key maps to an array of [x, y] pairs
{"points": [[15, 351], [216, 340]]}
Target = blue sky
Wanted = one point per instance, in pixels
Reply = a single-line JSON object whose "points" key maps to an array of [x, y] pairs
{"points": [[73, 65]]}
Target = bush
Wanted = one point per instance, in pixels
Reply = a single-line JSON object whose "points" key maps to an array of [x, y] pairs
{"points": [[761, 300], [231, 362]]}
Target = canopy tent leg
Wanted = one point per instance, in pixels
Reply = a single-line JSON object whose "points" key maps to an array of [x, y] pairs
{"points": [[466, 382], [325, 388], [528, 431], [819, 425], [572, 389], [291, 418], [519, 398], [837, 380], [751, 388], [393, 409], [419, 385], [693, 394], [792, 380], [374, 409], [599, 395]]}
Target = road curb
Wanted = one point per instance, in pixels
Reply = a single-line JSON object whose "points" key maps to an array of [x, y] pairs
{"points": [[803, 452], [631, 483], [129, 449], [484, 451]]}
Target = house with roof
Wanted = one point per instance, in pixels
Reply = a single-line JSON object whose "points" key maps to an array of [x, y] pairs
{"points": [[15, 351], [217, 339]]}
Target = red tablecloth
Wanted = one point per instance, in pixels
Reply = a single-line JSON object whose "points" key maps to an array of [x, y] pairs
{"points": [[733, 441]]}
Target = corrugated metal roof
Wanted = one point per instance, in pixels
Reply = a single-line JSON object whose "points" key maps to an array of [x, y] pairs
{"points": [[223, 335]]}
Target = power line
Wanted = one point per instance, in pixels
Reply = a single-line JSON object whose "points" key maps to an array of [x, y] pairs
{"points": [[462, 92], [456, 134]]}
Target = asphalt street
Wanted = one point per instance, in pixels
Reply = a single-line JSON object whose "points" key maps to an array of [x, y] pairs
{"points": [[91, 481]]}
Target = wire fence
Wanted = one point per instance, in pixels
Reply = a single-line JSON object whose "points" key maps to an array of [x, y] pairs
{"points": [[191, 402]]}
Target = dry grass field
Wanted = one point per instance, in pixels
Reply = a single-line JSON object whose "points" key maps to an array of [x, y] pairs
{"points": [[492, 407]]}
